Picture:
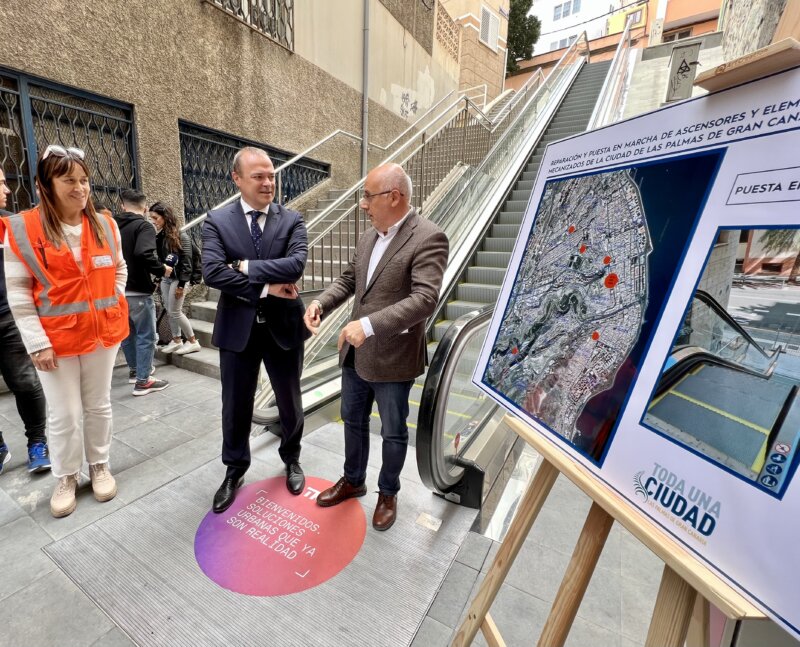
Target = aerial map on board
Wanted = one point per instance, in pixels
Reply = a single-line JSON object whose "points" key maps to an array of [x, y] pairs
{"points": [[578, 302]]}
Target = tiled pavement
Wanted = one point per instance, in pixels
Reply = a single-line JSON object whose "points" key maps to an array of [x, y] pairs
{"points": [[163, 436]]}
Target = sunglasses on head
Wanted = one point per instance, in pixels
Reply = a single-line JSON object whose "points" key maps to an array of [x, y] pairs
{"points": [[60, 151]]}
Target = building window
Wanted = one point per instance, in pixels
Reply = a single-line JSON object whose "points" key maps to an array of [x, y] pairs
{"points": [[565, 9], [563, 43], [35, 113], [207, 159], [554, 45], [636, 17], [274, 19], [576, 6], [490, 29], [557, 12], [676, 35]]}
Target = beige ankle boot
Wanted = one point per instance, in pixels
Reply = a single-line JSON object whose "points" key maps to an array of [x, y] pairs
{"points": [[103, 484], [63, 500]]}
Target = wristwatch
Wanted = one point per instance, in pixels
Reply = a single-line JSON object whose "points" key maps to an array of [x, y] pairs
{"points": [[319, 305], [235, 265]]}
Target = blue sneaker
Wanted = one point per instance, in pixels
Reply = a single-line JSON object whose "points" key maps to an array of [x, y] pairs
{"points": [[5, 456], [38, 458]]}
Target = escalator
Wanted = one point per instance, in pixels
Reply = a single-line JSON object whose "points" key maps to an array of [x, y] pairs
{"points": [[481, 212], [725, 397]]}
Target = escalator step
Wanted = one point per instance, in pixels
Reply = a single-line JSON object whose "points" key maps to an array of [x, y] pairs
{"points": [[487, 275], [456, 309], [505, 231], [510, 218], [478, 292], [493, 259], [498, 244]]}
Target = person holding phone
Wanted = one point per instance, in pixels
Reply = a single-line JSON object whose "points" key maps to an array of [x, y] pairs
{"points": [[174, 250]]}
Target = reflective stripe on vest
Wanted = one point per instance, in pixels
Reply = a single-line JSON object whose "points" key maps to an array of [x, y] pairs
{"points": [[110, 238], [107, 302], [46, 309]]}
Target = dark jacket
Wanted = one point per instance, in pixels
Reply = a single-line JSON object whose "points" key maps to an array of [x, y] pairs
{"points": [[183, 270], [139, 250], [284, 247], [4, 308]]}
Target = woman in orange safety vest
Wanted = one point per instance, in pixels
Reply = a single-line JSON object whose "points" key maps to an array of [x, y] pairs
{"points": [[65, 278]]}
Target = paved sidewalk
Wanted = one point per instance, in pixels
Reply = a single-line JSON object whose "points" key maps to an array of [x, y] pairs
{"points": [[157, 438]]}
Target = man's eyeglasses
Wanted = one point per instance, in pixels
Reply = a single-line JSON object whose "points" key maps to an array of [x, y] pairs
{"points": [[367, 196], [60, 151]]}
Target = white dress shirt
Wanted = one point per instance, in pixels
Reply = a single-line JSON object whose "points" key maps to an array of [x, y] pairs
{"points": [[262, 220], [381, 245]]}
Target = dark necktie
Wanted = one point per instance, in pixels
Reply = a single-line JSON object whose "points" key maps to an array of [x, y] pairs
{"points": [[255, 230]]}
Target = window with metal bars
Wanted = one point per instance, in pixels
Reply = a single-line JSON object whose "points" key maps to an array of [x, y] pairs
{"points": [[35, 112], [207, 160], [272, 18]]}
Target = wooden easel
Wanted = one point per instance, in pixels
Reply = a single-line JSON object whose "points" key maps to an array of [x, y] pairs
{"points": [[684, 577]]}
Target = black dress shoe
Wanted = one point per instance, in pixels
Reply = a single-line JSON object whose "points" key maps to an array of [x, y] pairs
{"points": [[295, 479], [226, 493]]}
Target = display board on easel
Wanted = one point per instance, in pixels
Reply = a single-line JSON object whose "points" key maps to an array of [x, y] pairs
{"points": [[645, 334]]}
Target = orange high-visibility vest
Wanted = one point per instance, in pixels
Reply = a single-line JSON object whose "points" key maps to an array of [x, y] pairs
{"points": [[78, 308]]}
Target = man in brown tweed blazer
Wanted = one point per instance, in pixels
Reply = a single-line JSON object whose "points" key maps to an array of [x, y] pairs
{"points": [[395, 276]]}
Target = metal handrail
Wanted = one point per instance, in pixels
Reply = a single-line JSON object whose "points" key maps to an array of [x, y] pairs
{"points": [[332, 322], [432, 412], [614, 83], [313, 147], [711, 302], [483, 87]]}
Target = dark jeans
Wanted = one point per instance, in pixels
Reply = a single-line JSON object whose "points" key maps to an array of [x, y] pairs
{"points": [[357, 398], [239, 376], [22, 380], [140, 345]]}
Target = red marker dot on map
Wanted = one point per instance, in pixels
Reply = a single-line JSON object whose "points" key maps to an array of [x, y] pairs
{"points": [[607, 260], [595, 335], [571, 229], [611, 281], [514, 350], [582, 249]]}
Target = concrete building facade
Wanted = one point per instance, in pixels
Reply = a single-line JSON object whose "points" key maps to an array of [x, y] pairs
{"points": [[205, 67]]}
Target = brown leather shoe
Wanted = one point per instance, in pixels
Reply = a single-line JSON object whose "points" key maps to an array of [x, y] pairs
{"points": [[386, 512], [335, 494]]}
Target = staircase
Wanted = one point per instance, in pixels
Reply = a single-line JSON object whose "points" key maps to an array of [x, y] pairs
{"points": [[480, 284]]}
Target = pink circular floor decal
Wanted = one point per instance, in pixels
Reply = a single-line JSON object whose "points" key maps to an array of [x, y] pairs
{"points": [[270, 542]]}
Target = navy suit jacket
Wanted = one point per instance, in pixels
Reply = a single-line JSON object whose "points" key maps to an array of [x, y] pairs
{"points": [[284, 248]]}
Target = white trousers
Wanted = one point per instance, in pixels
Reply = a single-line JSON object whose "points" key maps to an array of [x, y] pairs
{"points": [[79, 388]]}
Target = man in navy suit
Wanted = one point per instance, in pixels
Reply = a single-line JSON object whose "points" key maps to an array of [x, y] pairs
{"points": [[253, 252]]}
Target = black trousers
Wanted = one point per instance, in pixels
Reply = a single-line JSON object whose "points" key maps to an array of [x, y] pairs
{"points": [[21, 378], [239, 374]]}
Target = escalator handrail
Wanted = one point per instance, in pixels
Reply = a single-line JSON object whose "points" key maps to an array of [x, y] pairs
{"points": [[433, 401], [712, 303]]}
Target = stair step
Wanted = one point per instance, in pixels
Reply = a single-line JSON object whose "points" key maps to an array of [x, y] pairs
{"points": [[487, 275], [455, 309], [203, 331], [523, 195], [510, 218], [524, 185], [505, 231], [493, 259], [213, 295], [499, 244], [477, 292], [204, 310], [205, 361]]}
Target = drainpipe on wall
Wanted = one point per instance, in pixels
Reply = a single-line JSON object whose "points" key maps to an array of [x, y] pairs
{"points": [[365, 95]]}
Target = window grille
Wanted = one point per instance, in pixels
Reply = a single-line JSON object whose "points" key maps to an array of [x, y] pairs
{"points": [[272, 18], [207, 160], [35, 113]]}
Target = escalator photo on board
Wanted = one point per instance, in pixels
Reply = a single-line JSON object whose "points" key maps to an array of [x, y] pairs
{"points": [[728, 390]]}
